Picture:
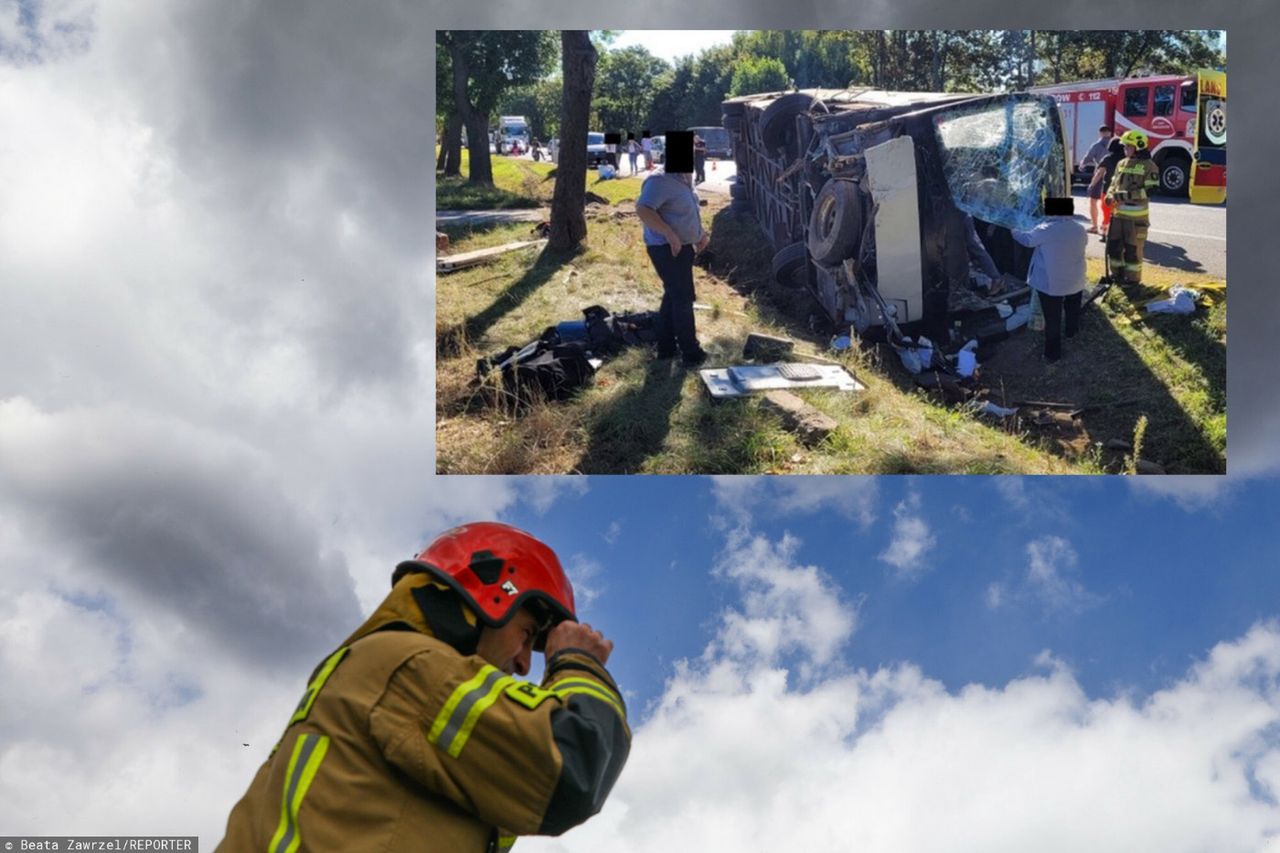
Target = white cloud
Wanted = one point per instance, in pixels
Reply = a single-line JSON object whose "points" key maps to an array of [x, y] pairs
{"points": [[1051, 562], [738, 757], [741, 498], [612, 533], [786, 609], [911, 540], [584, 573]]}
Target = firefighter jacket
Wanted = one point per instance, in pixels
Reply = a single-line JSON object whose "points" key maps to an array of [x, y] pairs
{"points": [[401, 742], [1133, 180]]}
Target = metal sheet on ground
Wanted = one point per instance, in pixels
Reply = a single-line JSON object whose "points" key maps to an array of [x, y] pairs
{"points": [[739, 381]]}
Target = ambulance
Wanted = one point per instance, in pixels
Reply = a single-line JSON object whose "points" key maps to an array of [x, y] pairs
{"points": [[1184, 116]]}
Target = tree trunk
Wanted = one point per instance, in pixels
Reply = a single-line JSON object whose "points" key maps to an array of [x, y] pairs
{"points": [[450, 161], [477, 124], [568, 217]]}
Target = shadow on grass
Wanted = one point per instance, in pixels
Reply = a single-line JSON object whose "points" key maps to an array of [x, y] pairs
{"points": [[1192, 338], [635, 426], [461, 194], [1103, 374], [452, 340]]}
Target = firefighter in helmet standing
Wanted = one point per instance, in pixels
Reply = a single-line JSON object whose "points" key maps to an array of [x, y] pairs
{"points": [[413, 735], [1135, 176]]}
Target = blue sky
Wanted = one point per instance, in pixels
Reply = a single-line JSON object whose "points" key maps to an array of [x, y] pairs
{"points": [[1145, 585]]}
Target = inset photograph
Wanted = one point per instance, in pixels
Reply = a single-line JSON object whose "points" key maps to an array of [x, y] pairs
{"points": [[831, 252]]}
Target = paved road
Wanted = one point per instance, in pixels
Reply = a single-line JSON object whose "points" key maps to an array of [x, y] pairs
{"points": [[1183, 236]]}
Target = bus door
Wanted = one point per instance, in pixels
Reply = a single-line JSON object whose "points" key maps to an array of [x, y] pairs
{"points": [[1209, 172]]}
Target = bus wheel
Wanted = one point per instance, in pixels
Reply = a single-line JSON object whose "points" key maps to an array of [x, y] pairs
{"points": [[1175, 170], [788, 262], [835, 226]]}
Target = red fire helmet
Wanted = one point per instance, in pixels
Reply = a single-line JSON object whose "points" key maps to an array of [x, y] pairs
{"points": [[497, 569]]}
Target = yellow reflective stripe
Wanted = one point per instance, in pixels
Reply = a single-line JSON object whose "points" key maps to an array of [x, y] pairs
{"points": [[308, 752], [506, 842], [442, 719], [313, 689], [473, 716], [453, 725], [1132, 212], [566, 687]]}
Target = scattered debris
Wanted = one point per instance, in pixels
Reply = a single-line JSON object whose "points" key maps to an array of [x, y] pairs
{"points": [[1182, 300], [991, 408], [1118, 444], [742, 380], [442, 241], [809, 424], [452, 263], [541, 230], [766, 346], [953, 390]]}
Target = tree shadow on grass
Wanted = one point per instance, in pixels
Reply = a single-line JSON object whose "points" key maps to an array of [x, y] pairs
{"points": [[635, 426], [452, 340]]}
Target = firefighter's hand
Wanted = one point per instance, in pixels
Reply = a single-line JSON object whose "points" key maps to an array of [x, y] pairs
{"points": [[579, 635]]}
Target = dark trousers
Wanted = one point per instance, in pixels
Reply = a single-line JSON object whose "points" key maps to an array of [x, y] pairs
{"points": [[1054, 307], [699, 168], [675, 315]]}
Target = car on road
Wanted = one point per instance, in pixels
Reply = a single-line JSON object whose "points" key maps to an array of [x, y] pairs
{"points": [[596, 153], [659, 148]]}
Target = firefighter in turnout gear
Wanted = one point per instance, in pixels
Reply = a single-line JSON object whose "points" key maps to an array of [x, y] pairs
{"points": [[413, 734], [1135, 176]]}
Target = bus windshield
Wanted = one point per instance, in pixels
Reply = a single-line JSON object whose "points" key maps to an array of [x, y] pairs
{"points": [[1001, 157]]}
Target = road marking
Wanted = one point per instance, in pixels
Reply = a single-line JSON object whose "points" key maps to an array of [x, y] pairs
{"points": [[1185, 234]]}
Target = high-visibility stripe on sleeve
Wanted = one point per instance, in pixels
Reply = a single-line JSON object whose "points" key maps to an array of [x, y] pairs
{"points": [[308, 751], [456, 720], [568, 686], [313, 689], [505, 843]]}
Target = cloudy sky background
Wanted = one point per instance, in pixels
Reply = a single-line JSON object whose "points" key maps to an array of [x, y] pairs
{"points": [[216, 438]]}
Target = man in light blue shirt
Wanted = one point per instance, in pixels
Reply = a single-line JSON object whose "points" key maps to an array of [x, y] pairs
{"points": [[1057, 270], [673, 232]]}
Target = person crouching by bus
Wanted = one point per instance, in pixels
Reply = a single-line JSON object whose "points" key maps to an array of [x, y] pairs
{"points": [[673, 234], [1057, 270], [1136, 175]]}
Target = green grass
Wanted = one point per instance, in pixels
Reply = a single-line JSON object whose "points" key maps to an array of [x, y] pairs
{"points": [[521, 183], [645, 416]]}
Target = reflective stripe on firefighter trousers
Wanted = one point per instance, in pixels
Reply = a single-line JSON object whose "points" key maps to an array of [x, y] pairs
{"points": [[308, 751]]}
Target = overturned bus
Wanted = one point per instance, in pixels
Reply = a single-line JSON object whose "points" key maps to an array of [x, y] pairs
{"points": [[873, 199]]}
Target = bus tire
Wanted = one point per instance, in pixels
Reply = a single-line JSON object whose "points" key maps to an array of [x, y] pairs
{"points": [[1175, 174], [778, 122], [788, 262], [835, 226]]}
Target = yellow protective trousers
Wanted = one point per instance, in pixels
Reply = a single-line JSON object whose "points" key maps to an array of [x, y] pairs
{"points": [[1126, 238]]}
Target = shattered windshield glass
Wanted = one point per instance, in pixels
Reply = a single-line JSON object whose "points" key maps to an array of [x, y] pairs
{"points": [[999, 158]]}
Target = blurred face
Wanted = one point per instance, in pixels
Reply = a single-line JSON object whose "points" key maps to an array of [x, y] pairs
{"points": [[1130, 150], [1105, 134], [510, 648]]}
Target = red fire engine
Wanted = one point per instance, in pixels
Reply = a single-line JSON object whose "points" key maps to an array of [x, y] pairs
{"points": [[1184, 117]]}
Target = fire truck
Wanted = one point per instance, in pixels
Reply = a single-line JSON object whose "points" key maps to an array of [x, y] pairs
{"points": [[1184, 117]]}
